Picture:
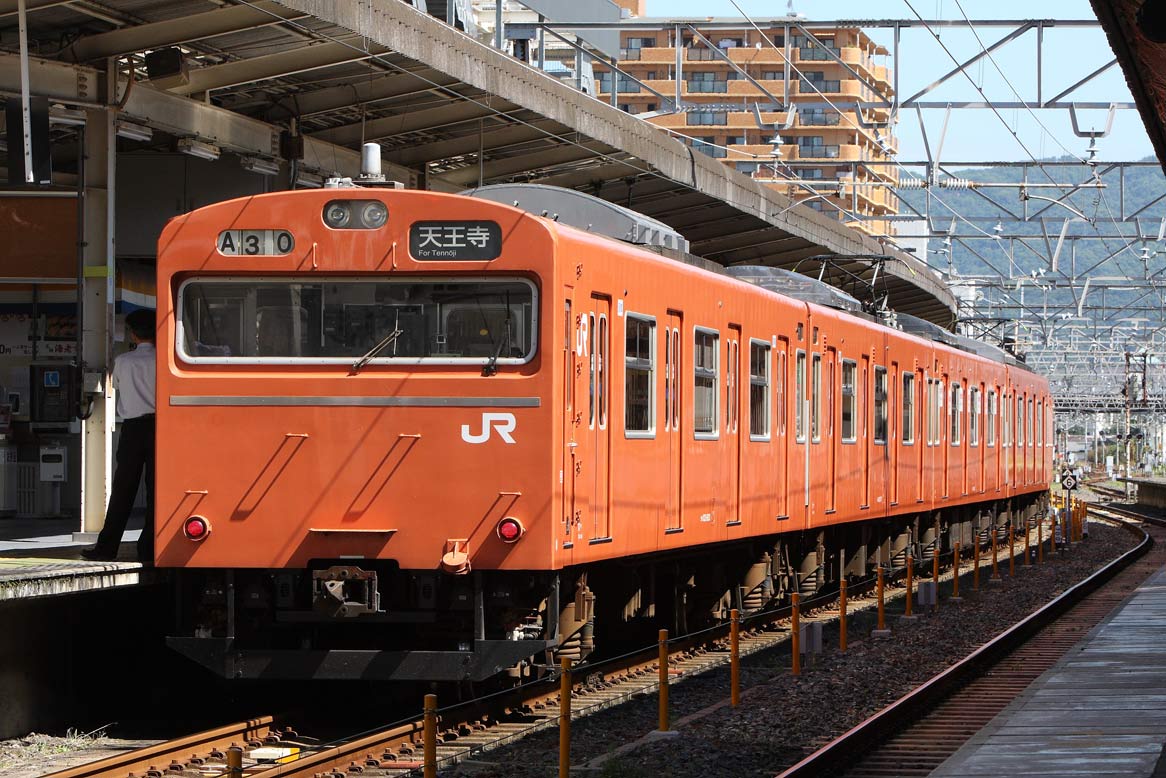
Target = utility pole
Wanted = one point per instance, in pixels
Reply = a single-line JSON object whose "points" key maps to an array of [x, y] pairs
{"points": [[1129, 401]]}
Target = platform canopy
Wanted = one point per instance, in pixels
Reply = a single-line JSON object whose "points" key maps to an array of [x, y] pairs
{"points": [[450, 112]]}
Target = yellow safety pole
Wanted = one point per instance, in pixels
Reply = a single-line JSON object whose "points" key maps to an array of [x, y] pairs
{"points": [[565, 719], [910, 585], [882, 602], [429, 752], [663, 660], [995, 557], [955, 572], [976, 563], [234, 762], [1027, 543], [735, 656], [1040, 540], [1011, 551], [842, 616], [935, 570], [796, 629]]}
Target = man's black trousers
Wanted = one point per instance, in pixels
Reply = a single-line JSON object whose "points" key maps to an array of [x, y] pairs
{"points": [[135, 453]]}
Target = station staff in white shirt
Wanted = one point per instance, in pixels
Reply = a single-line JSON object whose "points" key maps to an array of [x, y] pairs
{"points": [[134, 380]]}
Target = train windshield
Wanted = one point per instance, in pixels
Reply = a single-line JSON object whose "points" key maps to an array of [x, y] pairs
{"points": [[285, 320]]}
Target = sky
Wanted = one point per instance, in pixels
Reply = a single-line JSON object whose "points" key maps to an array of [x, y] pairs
{"points": [[975, 135]]}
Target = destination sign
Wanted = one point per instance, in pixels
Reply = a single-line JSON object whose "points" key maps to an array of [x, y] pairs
{"points": [[455, 241]]}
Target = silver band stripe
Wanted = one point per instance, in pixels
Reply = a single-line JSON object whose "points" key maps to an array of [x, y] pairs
{"points": [[379, 402]]}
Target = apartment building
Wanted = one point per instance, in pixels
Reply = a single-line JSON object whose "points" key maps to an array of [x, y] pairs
{"points": [[795, 106]]}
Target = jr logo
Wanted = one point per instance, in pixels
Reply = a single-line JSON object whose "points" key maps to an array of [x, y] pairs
{"points": [[502, 423]]}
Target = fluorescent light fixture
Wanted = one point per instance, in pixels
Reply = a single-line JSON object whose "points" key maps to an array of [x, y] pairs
{"points": [[267, 167], [306, 180], [70, 116], [198, 148], [132, 131]]}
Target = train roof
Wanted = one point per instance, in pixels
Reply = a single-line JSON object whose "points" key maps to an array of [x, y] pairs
{"points": [[584, 212], [601, 217]]}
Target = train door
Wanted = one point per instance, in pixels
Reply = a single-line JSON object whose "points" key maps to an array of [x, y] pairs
{"points": [[864, 414], [964, 436], [831, 440], [981, 396], [593, 451], [945, 441], [923, 439], [672, 406], [894, 439], [1005, 473], [732, 420], [781, 421], [570, 444]]}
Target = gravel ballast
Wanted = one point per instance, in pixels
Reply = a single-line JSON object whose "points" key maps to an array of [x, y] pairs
{"points": [[783, 718]]}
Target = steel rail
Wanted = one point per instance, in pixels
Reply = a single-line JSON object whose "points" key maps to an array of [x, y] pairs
{"points": [[845, 751], [209, 744], [508, 715]]}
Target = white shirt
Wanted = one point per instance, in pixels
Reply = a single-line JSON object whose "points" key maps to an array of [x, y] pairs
{"points": [[133, 378]]}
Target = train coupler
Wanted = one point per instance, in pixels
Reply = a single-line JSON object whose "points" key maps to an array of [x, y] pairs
{"points": [[345, 591]]}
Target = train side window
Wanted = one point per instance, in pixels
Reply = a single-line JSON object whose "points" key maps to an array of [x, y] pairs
{"points": [[591, 374], [1006, 412], [603, 368], [956, 411], [640, 376], [800, 398], [675, 378], [991, 429], [973, 416], [816, 399], [706, 353], [783, 345], [732, 393], [1031, 428], [1020, 420], [933, 412], [1040, 422], [909, 408], [759, 405], [849, 400], [667, 379], [880, 406]]}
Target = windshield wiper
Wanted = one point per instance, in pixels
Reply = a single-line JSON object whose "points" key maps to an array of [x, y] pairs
{"points": [[491, 367], [378, 348]]}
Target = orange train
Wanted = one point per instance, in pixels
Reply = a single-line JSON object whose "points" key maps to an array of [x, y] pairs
{"points": [[411, 435]]}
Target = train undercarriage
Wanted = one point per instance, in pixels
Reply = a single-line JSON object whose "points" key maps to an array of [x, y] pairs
{"points": [[368, 619]]}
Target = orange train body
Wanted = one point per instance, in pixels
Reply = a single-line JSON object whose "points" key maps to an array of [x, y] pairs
{"points": [[509, 392]]}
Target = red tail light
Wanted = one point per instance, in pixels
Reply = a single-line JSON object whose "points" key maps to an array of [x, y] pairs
{"points": [[510, 530], [196, 528]]}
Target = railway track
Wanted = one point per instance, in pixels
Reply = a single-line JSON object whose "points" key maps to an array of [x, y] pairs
{"points": [[918, 732], [465, 731]]}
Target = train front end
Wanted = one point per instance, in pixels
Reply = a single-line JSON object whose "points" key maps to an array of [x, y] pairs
{"points": [[354, 435]]}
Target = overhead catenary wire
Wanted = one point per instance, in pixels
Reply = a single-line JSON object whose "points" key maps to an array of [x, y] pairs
{"points": [[1128, 245]]}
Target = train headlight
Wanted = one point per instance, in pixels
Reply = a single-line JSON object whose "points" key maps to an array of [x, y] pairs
{"points": [[356, 214], [196, 528], [337, 214], [374, 214], [510, 530]]}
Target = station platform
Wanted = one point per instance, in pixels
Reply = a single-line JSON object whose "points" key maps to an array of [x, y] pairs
{"points": [[1100, 711], [41, 558], [1151, 491]]}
